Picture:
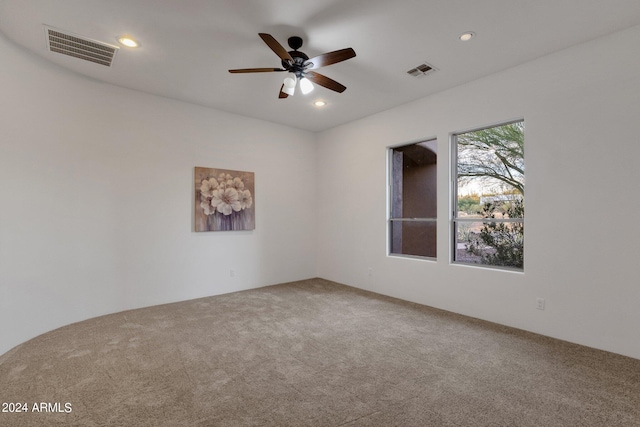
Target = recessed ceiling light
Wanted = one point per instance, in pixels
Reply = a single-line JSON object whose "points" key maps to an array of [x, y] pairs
{"points": [[465, 37], [319, 103], [128, 41]]}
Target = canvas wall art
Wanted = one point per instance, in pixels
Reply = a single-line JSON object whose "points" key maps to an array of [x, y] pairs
{"points": [[224, 200]]}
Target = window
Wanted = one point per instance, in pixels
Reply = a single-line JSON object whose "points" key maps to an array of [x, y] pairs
{"points": [[412, 179], [488, 211]]}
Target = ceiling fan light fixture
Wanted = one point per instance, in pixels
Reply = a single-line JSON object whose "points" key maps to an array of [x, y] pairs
{"points": [[305, 85], [289, 85]]}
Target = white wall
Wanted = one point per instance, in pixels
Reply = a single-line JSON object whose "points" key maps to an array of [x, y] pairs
{"points": [[96, 188], [581, 108]]}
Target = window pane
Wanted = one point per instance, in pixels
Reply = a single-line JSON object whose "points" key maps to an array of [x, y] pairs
{"points": [[490, 243], [490, 185], [416, 238], [490, 163], [414, 181]]}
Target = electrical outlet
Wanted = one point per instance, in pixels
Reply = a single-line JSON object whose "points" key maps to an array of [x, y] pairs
{"points": [[540, 303], [232, 273], [370, 272]]}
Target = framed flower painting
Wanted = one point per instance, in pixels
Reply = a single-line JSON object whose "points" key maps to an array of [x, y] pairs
{"points": [[224, 200]]}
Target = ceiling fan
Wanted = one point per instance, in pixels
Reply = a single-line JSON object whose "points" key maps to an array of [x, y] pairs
{"points": [[300, 66]]}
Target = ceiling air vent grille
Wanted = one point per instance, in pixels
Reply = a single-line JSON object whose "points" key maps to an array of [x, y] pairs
{"points": [[79, 47], [421, 70]]}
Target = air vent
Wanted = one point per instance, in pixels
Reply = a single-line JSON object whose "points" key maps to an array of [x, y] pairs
{"points": [[421, 70], [65, 43]]}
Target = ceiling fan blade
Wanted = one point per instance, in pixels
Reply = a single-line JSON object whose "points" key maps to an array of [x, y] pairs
{"points": [[256, 70], [275, 46], [325, 81], [330, 58], [282, 94]]}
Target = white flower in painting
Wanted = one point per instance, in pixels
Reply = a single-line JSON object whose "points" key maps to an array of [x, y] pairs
{"points": [[208, 186], [225, 180], [226, 201], [245, 199], [205, 204], [238, 184]]}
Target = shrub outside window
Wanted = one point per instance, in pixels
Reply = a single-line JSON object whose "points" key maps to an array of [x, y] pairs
{"points": [[413, 207], [488, 182]]}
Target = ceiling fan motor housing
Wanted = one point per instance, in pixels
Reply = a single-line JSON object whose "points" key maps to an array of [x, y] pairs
{"points": [[298, 66]]}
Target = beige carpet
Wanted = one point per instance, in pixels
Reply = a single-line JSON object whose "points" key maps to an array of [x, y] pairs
{"points": [[311, 353]]}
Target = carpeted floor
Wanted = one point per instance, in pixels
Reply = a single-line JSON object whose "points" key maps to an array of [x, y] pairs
{"points": [[310, 353]]}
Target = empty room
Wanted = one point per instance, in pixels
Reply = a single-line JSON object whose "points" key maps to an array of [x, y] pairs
{"points": [[319, 213]]}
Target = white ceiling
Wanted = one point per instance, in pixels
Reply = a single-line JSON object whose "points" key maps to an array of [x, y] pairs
{"points": [[187, 46]]}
